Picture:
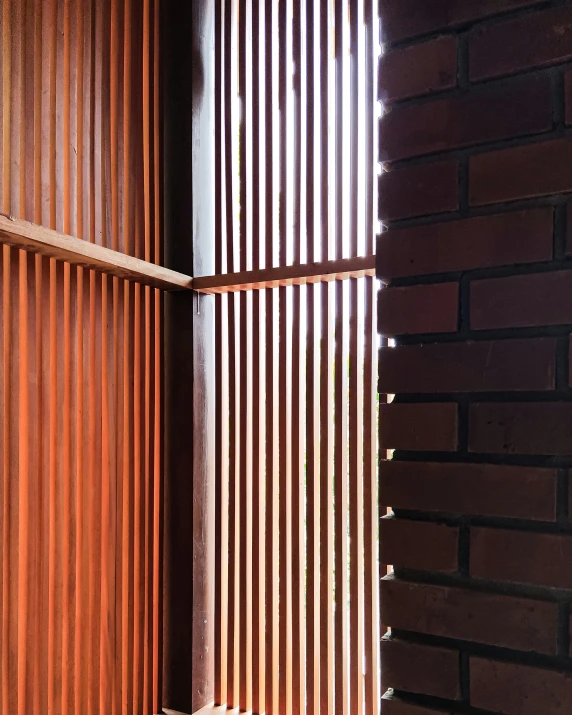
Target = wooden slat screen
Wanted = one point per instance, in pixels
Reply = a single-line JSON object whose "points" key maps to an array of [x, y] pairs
{"points": [[80, 362], [296, 626]]}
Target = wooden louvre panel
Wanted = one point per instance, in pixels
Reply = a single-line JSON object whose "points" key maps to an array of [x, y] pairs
{"points": [[80, 358], [296, 572]]}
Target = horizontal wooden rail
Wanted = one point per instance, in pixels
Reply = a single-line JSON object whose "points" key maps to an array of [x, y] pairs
{"points": [[37, 239], [287, 275]]}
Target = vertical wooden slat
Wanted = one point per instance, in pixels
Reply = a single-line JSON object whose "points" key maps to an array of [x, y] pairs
{"points": [[59, 83], [234, 507], [14, 486], [245, 349], [137, 501], [52, 665], [356, 654], [4, 477], [147, 499], [356, 498], [341, 505], [67, 506], [23, 484], [340, 437], [103, 172], [158, 404], [128, 241], [117, 495], [145, 111], [17, 135], [9, 600], [129, 476], [258, 507], [147, 360], [313, 511], [3, 118], [285, 515], [118, 345], [271, 436], [314, 515], [326, 388], [258, 348], [40, 652], [221, 497], [39, 701], [245, 498], [233, 693], [370, 500], [59, 88], [73, 110], [113, 328], [33, 503], [298, 510], [221, 446], [284, 380], [157, 509], [126, 518], [80, 565], [298, 350], [6, 92], [72, 224], [26, 457]]}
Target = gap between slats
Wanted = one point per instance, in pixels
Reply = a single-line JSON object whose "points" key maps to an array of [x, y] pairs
{"points": [[318, 637]]}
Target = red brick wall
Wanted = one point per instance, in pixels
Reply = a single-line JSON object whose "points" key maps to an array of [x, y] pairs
{"points": [[477, 261]]}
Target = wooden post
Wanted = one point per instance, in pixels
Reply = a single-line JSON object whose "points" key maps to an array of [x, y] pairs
{"points": [[188, 64]]}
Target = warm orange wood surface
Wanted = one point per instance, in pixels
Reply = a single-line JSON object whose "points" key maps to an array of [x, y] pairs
{"points": [[38, 239], [80, 380]]}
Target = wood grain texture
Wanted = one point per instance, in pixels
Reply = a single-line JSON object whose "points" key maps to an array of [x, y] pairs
{"points": [[44, 241], [69, 195]]}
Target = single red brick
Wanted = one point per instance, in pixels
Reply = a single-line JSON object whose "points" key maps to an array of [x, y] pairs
{"points": [[568, 93], [419, 190], [499, 49], [419, 309], [419, 69], [522, 301], [419, 545], [540, 559], [482, 242], [521, 428], [431, 427], [417, 668], [481, 489], [407, 18], [515, 689], [491, 618], [393, 706], [492, 114], [521, 172], [484, 366]]}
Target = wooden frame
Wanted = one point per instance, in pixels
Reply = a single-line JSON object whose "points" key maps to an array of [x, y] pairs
{"points": [[43, 241], [37, 239], [301, 274]]}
